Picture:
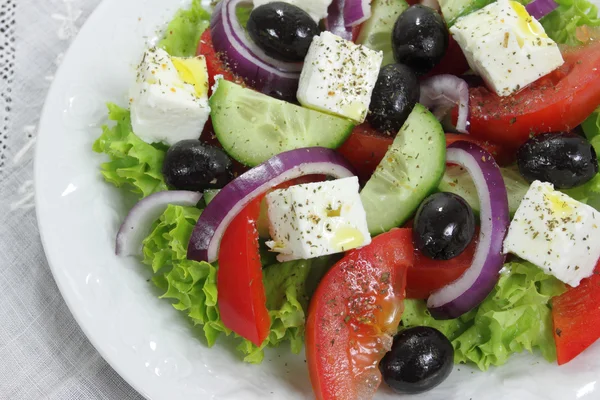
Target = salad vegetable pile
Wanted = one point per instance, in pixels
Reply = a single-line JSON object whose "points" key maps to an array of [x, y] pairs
{"points": [[396, 187]]}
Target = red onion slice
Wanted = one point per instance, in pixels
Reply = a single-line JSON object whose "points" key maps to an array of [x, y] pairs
{"points": [[246, 59], [540, 8], [335, 23], [356, 11], [218, 214], [477, 282], [140, 218], [441, 93]]}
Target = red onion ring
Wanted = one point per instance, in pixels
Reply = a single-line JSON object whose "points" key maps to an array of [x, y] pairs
{"points": [[540, 8], [441, 93], [335, 22], [356, 11], [139, 220], [246, 59], [218, 214], [477, 282]]}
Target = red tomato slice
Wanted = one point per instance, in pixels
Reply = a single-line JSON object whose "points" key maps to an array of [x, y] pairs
{"points": [[214, 65], [576, 317], [557, 102], [366, 147], [426, 276], [353, 315], [453, 62], [241, 293]]}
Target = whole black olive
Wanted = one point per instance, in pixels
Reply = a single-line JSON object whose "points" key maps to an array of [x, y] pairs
{"points": [[444, 226], [394, 96], [421, 358], [420, 38], [282, 30], [193, 165], [564, 159]]}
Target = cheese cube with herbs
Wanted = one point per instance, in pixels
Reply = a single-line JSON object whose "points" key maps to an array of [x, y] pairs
{"points": [[169, 99], [506, 46], [338, 77], [316, 219], [555, 232]]}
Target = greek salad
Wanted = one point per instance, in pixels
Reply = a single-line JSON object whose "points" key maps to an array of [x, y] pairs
{"points": [[395, 187]]}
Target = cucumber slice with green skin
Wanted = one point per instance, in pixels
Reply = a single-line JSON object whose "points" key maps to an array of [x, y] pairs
{"points": [[458, 181], [253, 127], [210, 194], [376, 32], [454, 9], [411, 169]]}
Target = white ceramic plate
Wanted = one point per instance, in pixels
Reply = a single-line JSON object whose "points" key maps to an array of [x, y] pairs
{"points": [[145, 340]]}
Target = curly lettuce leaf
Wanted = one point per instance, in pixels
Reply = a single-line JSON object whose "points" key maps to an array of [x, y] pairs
{"points": [[516, 316], [133, 164], [192, 287], [589, 192], [561, 24], [183, 32]]}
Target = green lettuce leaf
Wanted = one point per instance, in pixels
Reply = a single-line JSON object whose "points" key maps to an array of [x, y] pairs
{"points": [[516, 316], [133, 164], [562, 23], [192, 287], [589, 192], [183, 32]]}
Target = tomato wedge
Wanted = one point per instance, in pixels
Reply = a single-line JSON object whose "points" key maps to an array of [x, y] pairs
{"points": [[241, 293], [453, 62], [576, 317], [559, 101], [214, 65], [426, 276], [366, 147], [353, 315]]}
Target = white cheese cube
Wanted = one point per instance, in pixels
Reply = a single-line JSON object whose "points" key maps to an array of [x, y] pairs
{"points": [[555, 232], [169, 102], [506, 46], [338, 77], [316, 219], [317, 9]]}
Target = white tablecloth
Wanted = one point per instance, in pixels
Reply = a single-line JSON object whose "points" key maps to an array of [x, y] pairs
{"points": [[43, 352]]}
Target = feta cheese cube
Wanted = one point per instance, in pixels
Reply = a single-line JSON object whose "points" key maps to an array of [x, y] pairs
{"points": [[506, 46], [556, 233], [316, 219], [317, 9], [169, 100], [338, 77]]}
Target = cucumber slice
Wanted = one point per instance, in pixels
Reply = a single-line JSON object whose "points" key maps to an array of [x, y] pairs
{"points": [[454, 9], [458, 181], [411, 170], [376, 32], [253, 127], [209, 195]]}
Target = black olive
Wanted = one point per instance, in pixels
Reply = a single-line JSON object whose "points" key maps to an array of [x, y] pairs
{"points": [[420, 359], [394, 96], [564, 159], [193, 165], [282, 30], [420, 38], [444, 226]]}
